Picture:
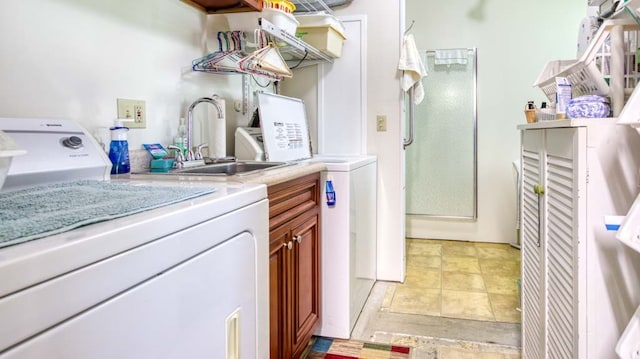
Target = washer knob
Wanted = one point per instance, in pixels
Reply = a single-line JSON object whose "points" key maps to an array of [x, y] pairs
{"points": [[72, 142]]}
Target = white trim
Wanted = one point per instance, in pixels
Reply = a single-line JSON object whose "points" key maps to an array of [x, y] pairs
{"points": [[322, 68]]}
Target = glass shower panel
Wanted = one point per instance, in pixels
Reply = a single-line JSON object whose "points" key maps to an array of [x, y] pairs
{"points": [[441, 162]]}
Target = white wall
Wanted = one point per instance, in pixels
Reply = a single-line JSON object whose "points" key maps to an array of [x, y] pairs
{"points": [[514, 39], [384, 98], [73, 58]]}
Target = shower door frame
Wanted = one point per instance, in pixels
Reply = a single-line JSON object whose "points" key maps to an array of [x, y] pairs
{"points": [[474, 216]]}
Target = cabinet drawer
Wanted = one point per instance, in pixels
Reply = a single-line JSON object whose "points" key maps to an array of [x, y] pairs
{"points": [[290, 199]]}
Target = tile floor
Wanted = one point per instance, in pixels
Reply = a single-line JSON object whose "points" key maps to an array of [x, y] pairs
{"points": [[463, 280], [459, 300]]}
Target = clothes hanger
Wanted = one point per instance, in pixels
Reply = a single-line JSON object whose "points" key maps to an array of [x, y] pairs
{"points": [[266, 61], [206, 62], [227, 58]]}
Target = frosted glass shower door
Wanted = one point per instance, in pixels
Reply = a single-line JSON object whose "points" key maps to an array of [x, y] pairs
{"points": [[441, 162]]}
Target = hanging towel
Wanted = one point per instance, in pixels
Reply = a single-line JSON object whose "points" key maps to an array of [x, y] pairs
{"points": [[412, 67], [451, 56]]}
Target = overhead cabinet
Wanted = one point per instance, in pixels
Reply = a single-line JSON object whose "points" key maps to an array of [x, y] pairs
{"points": [[574, 172]]}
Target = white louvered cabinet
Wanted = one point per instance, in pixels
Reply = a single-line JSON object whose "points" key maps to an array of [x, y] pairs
{"points": [[575, 289]]}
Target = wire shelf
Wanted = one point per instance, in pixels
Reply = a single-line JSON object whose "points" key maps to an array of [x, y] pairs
{"points": [[295, 50], [310, 5]]}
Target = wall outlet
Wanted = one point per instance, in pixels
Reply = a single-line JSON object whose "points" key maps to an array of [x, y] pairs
{"points": [[134, 109], [381, 123]]}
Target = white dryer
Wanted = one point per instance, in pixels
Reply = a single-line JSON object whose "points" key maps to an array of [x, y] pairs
{"points": [[183, 280]]}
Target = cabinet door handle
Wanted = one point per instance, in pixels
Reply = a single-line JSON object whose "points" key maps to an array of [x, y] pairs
{"points": [[298, 239], [539, 191], [288, 245]]}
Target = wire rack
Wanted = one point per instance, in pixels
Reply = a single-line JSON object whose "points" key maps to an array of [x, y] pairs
{"points": [[296, 49], [591, 74], [312, 5]]}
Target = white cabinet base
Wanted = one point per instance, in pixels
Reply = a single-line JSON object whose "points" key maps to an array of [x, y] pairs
{"points": [[580, 285]]}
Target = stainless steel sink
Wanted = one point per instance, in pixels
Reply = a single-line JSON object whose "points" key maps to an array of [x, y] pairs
{"points": [[232, 168]]}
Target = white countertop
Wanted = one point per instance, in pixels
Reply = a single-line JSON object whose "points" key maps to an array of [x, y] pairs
{"points": [[572, 122], [268, 177]]}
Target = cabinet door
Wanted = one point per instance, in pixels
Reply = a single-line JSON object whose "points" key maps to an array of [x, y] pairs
{"points": [[532, 215], [564, 191], [306, 280], [279, 269]]}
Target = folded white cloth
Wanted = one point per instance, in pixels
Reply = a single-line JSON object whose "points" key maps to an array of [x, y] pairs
{"points": [[451, 56], [412, 67]]}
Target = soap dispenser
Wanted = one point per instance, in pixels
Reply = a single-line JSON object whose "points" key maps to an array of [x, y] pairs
{"points": [[119, 148], [181, 139]]}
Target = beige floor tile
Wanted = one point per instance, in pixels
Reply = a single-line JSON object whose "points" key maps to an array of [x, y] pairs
{"points": [[501, 284], [504, 308], [424, 262], [500, 267], [423, 278], [461, 264], [424, 249], [463, 281], [507, 253], [459, 251], [466, 305], [416, 301], [491, 244], [457, 243]]}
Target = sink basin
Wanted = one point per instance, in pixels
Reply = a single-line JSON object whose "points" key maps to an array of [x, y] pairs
{"points": [[232, 168]]}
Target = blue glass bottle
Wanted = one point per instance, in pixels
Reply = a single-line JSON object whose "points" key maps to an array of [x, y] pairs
{"points": [[330, 193], [119, 149]]}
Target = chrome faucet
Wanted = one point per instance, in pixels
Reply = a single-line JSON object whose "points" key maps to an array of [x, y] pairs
{"points": [[212, 100], [179, 161]]}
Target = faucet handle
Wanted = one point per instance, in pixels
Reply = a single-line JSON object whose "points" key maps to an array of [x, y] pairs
{"points": [[179, 156], [190, 155], [199, 150]]}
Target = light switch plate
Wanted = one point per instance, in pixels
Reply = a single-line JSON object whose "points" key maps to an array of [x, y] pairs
{"points": [[381, 123]]}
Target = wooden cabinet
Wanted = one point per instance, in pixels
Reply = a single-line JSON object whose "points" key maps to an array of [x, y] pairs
{"points": [[221, 6], [572, 267], [294, 264]]}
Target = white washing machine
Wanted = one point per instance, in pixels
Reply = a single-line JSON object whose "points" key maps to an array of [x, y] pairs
{"points": [[348, 241], [185, 280]]}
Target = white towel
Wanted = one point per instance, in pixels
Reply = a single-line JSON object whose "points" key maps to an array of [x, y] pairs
{"points": [[413, 68], [451, 56]]}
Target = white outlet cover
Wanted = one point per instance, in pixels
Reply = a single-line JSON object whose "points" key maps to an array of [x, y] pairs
{"points": [[128, 108]]}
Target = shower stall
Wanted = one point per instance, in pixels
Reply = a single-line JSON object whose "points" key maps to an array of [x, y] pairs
{"points": [[441, 164]]}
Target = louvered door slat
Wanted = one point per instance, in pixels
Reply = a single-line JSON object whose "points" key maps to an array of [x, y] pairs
{"points": [[560, 258], [532, 261]]}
